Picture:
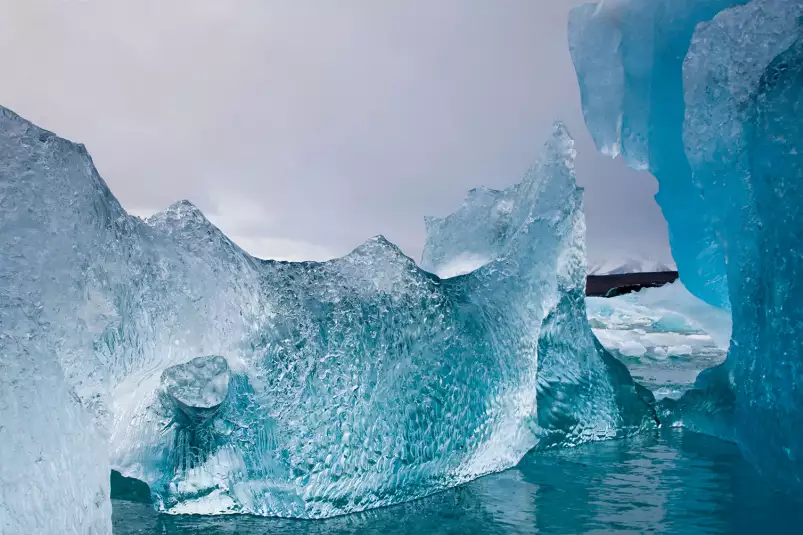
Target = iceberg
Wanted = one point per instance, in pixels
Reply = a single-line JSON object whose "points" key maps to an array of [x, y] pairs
{"points": [[161, 350], [706, 96], [54, 477], [583, 392], [628, 56]]}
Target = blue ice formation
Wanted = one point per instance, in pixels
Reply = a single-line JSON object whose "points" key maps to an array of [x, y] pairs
{"points": [[575, 374], [707, 95], [160, 349], [197, 388]]}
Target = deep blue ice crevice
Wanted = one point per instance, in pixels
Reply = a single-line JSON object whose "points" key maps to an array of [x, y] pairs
{"points": [[629, 56]]}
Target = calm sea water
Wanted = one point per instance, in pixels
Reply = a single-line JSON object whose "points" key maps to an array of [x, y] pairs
{"points": [[672, 481]]}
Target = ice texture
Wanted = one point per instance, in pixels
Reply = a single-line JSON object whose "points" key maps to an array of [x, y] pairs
{"points": [[54, 209], [628, 55], [583, 392], [198, 387], [707, 96], [232, 384]]}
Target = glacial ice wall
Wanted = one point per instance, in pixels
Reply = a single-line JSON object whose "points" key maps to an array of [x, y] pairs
{"points": [[90, 297], [629, 56], [707, 96], [233, 384]]}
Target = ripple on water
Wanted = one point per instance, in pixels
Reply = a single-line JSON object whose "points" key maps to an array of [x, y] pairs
{"points": [[674, 481]]}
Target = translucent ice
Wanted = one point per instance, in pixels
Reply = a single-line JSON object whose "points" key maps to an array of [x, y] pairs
{"points": [[583, 392], [54, 474], [707, 96], [233, 384], [199, 387], [628, 55]]}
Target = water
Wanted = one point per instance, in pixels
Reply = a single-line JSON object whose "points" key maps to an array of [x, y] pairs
{"points": [[671, 481]]}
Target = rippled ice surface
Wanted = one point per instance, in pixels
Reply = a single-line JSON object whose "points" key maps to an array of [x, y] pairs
{"points": [[673, 481]]}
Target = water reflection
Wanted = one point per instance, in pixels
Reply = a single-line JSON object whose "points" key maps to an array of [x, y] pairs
{"points": [[674, 481]]}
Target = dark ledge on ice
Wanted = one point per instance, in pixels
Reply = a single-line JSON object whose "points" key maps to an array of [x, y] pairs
{"points": [[129, 488], [623, 283]]}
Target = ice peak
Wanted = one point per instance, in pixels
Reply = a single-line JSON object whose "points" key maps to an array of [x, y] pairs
{"points": [[560, 145], [181, 210], [181, 215], [10, 115], [184, 205], [379, 247]]}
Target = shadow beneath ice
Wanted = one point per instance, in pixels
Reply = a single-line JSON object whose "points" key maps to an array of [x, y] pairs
{"points": [[129, 489]]}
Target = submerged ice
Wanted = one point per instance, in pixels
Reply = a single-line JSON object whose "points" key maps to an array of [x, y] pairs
{"points": [[707, 96], [231, 384]]}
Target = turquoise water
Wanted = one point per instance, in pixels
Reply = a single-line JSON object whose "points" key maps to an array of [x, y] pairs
{"points": [[672, 481]]}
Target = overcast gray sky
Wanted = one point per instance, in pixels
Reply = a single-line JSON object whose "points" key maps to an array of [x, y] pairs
{"points": [[304, 128]]}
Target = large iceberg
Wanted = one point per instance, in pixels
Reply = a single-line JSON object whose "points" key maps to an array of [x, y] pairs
{"points": [[160, 349], [707, 96]]}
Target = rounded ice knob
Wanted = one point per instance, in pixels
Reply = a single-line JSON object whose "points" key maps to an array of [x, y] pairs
{"points": [[198, 387]]}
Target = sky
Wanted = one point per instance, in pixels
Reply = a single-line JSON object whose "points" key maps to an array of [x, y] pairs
{"points": [[304, 128]]}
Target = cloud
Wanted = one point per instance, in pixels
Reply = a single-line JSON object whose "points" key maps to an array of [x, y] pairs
{"points": [[336, 121], [244, 223]]}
